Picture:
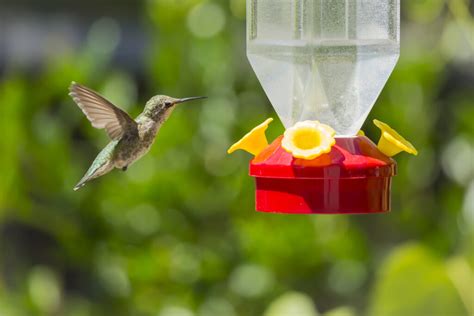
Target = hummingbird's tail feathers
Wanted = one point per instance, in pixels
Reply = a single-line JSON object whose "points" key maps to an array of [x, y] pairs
{"points": [[98, 168], [79, 185], [87, 177]]}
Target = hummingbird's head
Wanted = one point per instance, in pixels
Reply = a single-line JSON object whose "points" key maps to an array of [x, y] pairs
{"points": [[160, 106]]}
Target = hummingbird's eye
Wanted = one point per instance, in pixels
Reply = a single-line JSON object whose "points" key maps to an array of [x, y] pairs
{"points": [[168, 104]]}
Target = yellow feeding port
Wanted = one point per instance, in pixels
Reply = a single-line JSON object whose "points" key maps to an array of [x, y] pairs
{"points": [[254, 141], [392, 143], [308, 139]]}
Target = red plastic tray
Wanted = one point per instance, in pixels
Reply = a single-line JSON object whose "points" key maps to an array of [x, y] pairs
{"points": [[355, 177]]}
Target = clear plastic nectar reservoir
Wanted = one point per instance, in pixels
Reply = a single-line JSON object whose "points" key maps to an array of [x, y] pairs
{"points": [[324, 60]]}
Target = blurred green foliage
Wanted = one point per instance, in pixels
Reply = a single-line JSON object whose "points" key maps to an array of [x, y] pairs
{"points": [[177, 235]]}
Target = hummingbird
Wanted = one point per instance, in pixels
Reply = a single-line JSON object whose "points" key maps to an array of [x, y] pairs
{"points": [[130, 138]]}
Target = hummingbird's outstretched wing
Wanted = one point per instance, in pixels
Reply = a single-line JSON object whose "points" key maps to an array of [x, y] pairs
{"points": [[102, 113]]}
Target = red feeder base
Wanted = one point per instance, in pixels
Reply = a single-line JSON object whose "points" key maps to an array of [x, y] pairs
{"points": [[354, 178]]}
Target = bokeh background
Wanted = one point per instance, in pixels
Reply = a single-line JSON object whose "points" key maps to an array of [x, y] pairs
{"points": [[177, 235]]}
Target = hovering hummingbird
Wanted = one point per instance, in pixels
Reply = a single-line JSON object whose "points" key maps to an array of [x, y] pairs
{"points": [[130, 139]]}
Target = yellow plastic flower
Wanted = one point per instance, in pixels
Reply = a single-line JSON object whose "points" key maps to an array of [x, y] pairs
{"points": [[392, 143], [308, 139], [255, 141]]}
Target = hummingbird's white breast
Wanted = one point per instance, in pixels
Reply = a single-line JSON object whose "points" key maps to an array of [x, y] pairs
{"points": [[132, 148]]}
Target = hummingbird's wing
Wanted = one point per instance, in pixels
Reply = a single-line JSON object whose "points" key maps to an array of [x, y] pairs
{"points": [[102, 113]]}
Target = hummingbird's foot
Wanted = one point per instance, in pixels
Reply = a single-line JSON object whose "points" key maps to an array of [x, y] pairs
{"points": [[125, 168]]}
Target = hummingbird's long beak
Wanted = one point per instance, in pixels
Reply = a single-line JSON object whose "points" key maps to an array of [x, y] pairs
{"points": [[188, 99]]}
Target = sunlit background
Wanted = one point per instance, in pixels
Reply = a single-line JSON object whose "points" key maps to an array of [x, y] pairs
{"points": [[177, 234]]}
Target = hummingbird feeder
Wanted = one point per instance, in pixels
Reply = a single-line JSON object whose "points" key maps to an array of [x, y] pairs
{"points": [[323, 64]]}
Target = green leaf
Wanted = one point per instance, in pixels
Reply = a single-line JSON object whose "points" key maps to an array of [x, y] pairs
{"points": [[462, 276], [413, 282], [292, 303], [341, 311]]}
